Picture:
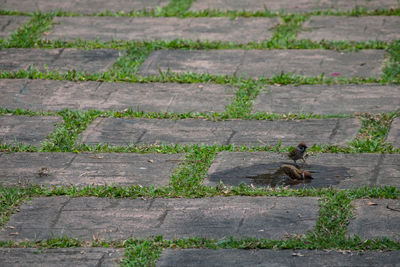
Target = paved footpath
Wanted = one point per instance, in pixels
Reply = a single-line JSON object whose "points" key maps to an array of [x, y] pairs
{"points": [[217, 218]]}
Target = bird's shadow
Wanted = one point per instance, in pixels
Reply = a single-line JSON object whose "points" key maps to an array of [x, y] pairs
{"points": [[265, 175]]}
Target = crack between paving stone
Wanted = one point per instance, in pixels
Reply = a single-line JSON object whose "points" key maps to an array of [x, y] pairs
{"points": [[6, 25], [230, 137], [141, 136], [240, 223], [334, 130], [56, 57], [170, 102], [54, 223], [86, 133], [101, 260], [377, 170], [151, 204], [161, 219], [68, 165], [240, 63]]}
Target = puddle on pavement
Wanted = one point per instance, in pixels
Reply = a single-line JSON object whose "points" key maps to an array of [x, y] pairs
{"points": [[263, 175], [323, 176]]}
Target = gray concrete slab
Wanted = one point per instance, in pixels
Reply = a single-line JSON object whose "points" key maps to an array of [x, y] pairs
{"points": [[79, 6], [292, 6], [9, 24], [151, 97], [394, 133], [375, 218], [87, 168], [61, 257], [240, 30], [339, 28], [336, 170], [117, 131], [328, 99], [27, 130], [116, 219], [250, 63], [64, 59], [269, 257]]}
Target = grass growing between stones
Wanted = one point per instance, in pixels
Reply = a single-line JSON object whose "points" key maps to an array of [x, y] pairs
{"points": [[27, 35]]}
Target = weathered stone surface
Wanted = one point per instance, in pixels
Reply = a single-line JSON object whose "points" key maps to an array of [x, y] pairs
{"points": [[61, 257], [328, 99], [394, 133], [97, 60], [240, 30], [28, 130], [79, 6], [381, 219], [9, 24], [87, 168], [217, 217], [293, 6], [248, 63], [269, 257], [337, 170], [151, 97], [116, 131], [339, 28]]}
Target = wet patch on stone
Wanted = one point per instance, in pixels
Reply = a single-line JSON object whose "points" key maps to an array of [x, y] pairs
{"points": [[268, 175]]}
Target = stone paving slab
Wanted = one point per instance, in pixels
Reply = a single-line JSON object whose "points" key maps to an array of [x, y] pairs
{"points": [[151, 97], [116, 219], [292, 6], [394, 133], [269, 257], [240, 30], [9, 24], [117, 131], [64, 59], [328, 99], [377, 220], [339, 28], [87, 168], [250, 63], [336, 170], [80, 6], [61, 257], [27, 130]]}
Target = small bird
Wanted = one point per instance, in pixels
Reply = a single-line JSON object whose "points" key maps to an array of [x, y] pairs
{"points": [[295, 173], [298, 152]]}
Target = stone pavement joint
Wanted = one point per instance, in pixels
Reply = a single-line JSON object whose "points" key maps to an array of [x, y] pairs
{"points": [[53, 95], [9, 24], [341, 171], [63, 257], [118, 131], [27, 130], [87, 168], [376, 218], [292, 6], [267, 63], [81, 6], [339, 28], [239, 30], [64, 59], [270, 257], [120, 219], [328, 99], [394, 133]]}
